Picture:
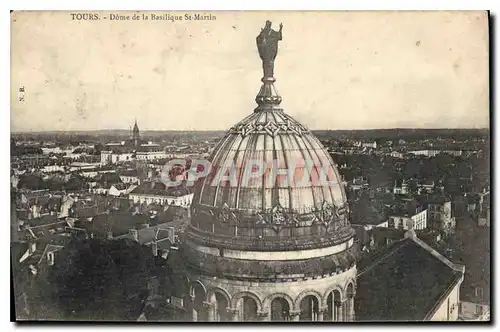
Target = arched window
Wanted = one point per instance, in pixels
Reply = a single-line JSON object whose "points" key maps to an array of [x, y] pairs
{"points": [[221, 305], [334, 312], [199, 312], [349, 303], [309, 308], [280, 310], [248, 309]]}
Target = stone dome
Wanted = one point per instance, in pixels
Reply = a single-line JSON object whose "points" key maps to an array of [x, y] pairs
{"points": [[269, 237], [272, 185]]}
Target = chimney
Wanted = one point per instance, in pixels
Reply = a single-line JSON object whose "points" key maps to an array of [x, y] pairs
{"points": [[50, 258], [154, 246], [410, 234], [32, 247], [133, 233], [171, 234]]}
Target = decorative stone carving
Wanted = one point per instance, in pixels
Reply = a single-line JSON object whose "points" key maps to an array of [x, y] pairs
{"points": [[295, 315], [329, 216], [262, 314], [271, 127], [225, 215], [262, 219], [208, 305], [278, 216]]}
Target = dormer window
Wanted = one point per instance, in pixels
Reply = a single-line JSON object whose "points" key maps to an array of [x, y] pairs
{"points": [[479, 292], [50, 258]]}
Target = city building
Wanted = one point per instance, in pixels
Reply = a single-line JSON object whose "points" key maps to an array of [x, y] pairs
{"points": [[400, 188], [433, 153], [130, 176], [152, 192], [439, 212], [132, 149], [410, 215]]}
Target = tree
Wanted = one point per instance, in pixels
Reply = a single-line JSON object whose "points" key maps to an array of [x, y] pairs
{"points": [[100, 280]]}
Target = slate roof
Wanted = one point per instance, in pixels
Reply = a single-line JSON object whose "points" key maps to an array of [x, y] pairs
{"points": [[432, 199], [404, 283], [408, 208], [160, 189], [154, 233], [47, 243], [365, 212], [43, 220], [129, 172], [22, 214], [120, 186], [86, 212], [118, 223], [158, 232]]}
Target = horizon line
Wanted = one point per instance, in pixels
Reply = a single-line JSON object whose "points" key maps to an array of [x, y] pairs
{"points": [[225, 130]]}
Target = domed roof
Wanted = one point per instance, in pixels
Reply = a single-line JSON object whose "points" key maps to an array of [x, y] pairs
{"points": [[288, 151], [272, 185], [270, 179]]}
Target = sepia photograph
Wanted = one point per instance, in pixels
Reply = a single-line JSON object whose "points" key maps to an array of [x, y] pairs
{"points": [[250, 166]]}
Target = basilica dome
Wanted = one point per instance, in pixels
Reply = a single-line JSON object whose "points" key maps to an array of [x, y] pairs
{"points": [[272, 186], [269, 236]]}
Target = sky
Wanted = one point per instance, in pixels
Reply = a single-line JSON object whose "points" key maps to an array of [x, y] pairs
{"points": [[334, 70]]}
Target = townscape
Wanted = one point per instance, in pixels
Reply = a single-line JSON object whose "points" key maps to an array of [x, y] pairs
{"points": [[399, 231], [66, 188]]}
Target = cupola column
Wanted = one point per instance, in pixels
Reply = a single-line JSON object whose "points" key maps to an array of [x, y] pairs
{"points": [[210, 308], [338, 308], [234, 314], [321, 314], [295, 315]]}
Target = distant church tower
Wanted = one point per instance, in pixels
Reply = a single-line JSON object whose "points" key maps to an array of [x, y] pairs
{"points": [[135, 134]]}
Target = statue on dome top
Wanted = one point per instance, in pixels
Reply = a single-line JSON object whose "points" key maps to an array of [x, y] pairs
{"points": [[267, 44]]}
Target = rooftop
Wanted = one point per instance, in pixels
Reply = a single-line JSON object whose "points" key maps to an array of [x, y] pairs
{"points": [[404, 283], [160, 189]]}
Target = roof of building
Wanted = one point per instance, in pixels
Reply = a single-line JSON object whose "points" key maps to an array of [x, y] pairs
{"points": [[110, 178], [86, 211], [47, 243], [160, 189], [432, 199], [22, 214], [125, 149], [406, 208], [379, 235], [155, 233], [427, 183], [253, 269], [118, 223], [367, 212], [43, 220], [129, 172], [120, 186], [406, 282]]}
